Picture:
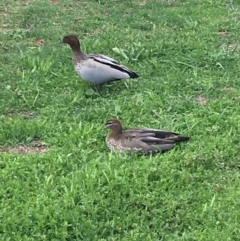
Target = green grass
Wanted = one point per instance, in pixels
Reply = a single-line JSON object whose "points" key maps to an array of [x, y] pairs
{"points": [[185, 52]]}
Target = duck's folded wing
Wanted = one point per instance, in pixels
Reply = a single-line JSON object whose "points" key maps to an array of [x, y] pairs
{"points": [[105, 60], [155, 141], [161, 134]]}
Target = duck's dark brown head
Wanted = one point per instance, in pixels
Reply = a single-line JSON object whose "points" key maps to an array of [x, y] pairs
{"points": [[114, 125], [73, 41]]}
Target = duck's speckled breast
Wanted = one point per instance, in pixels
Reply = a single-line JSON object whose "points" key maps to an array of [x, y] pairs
{"points": [[115, 145]]}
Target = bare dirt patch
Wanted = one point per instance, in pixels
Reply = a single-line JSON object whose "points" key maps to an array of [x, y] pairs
{"points": [[26, 3], [222, 32], [39, 41], [36, 147], [201, 100], [53, 2], [233, 46], [25, 113], [227, 89]]}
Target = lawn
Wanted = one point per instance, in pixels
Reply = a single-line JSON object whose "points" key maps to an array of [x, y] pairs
{"points": [[59, 181]]}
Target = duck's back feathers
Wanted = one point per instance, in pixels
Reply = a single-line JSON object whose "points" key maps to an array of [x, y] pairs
{"points": [[151, 140]]}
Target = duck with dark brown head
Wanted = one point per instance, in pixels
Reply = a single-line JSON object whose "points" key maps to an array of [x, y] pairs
{"points": [[96, 68]]}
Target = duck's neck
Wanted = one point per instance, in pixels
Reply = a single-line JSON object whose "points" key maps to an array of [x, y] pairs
{"points": [[78, 55], [115, 133], [76, 49]]}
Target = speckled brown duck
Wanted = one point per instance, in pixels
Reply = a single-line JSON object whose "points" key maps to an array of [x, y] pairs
{"points": [[142, 140], [96, 68]]}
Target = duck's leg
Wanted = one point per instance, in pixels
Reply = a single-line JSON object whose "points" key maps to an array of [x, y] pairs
{"points": [[98, 87]]}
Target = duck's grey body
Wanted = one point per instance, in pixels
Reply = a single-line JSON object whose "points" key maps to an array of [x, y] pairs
{"points": [[99, 69]]}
